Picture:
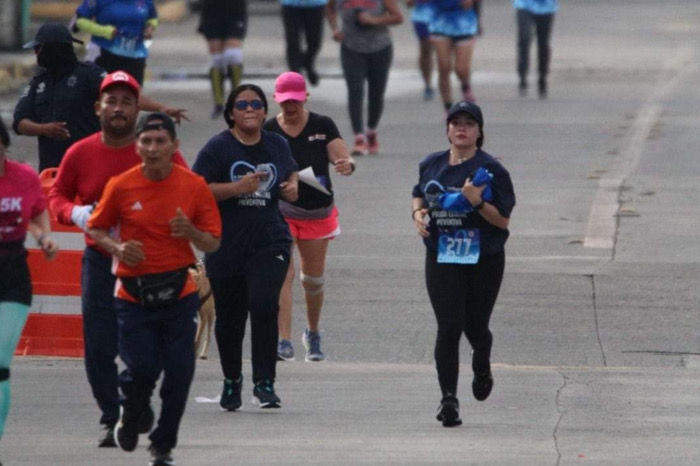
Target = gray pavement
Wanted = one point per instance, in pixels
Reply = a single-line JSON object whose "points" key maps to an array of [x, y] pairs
{"points": [[596, 354]]}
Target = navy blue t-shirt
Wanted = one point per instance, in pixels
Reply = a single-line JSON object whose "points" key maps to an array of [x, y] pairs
{"points": [[252, 222], [437, 176]]}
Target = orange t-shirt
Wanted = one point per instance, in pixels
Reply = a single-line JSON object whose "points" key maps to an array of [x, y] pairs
{"points": [[141, 209]]}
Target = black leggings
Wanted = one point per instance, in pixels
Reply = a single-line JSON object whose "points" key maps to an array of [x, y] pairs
{"points": [[370, 67], [543, 27], [136, 67], [258, 292], [310, 22], [462, 297]]}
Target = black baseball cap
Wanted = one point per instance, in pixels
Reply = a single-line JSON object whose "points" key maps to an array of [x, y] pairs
{"points": [[156, 120], [52, 32], [470, 108]]}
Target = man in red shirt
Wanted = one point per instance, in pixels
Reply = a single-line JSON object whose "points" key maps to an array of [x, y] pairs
{"points": [[82, 176], [158, 209]]}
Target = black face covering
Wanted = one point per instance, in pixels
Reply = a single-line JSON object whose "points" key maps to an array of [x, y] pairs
{"points": [[57, 58]]}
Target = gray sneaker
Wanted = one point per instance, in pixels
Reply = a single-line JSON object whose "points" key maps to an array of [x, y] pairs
{"points": [[285, 351], [312, 343]]}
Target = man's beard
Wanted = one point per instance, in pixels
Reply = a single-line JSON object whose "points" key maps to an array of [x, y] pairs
{"points": [[117, 131]]}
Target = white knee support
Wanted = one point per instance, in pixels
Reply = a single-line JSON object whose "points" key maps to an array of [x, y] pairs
{"points": [[315, 282], [233, 56], [218, 60]]}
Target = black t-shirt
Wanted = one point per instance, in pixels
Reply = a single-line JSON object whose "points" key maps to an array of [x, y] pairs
{"points": [[309, 149], [252, 222], [437, 176]]}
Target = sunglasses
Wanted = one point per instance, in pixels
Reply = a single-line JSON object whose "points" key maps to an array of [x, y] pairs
{"points": [[241, 105]]}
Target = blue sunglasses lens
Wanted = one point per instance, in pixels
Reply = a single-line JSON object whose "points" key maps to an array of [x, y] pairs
{"points": [[243, 104]]}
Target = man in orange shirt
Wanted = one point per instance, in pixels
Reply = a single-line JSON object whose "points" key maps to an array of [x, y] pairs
{"points": [[158, 208]]}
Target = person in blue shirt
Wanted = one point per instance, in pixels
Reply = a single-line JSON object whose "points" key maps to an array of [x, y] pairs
{"points": [[119, 30], [537, 15], [303, 16], [248, 170], [454, 27], [422, 12], [465, 256]]}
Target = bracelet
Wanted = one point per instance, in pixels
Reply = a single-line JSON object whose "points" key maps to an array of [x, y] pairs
{"points": [[413, 214], [479, 205]]}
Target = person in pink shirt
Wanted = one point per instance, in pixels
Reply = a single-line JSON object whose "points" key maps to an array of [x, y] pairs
{"points": [[82, 176], [22, 209]]}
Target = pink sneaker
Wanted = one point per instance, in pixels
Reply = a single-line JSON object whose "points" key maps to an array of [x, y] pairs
{"points": [[360, 147], [372, 142], [469, 95]]}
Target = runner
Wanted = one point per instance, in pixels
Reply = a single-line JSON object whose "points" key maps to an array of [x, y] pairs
{"points": [[84, 172], [303, 16], [22, 208], [159, 208], [248, 170], [453, 30], [313, 218], [422, 12], [366, 53], [223, 23], [469, 197], [537, 15]]}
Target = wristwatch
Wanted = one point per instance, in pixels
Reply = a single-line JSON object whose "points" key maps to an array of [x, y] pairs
{"points": [[479, 206]]}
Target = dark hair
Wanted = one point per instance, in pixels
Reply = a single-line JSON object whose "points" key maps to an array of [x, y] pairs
{"points": [[232, 99], [163, 120], [4, 134]]}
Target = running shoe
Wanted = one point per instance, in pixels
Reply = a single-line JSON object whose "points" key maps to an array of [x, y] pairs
{"points": [[285, 351], [522, 88], [264, 395], [542, 88], [312, 343], [146, 420], [313, 76], [469, 95], [107, 437], [428, 93], [360, 147], [160, 457], [231, 395], [216, 113], [372, 143], [126, 432], [448, 412], [482, 385]]}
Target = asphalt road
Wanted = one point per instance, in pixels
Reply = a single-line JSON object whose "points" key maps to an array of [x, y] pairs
{"points": [[597, 348]]}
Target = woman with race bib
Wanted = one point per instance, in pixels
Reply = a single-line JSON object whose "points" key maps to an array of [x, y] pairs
{"points": [[461, 208]]}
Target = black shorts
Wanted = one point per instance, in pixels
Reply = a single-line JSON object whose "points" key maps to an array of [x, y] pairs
{"points": [[226, 27], [15, 283]]}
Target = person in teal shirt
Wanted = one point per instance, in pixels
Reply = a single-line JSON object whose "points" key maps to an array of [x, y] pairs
{"points": [[537, 15]]}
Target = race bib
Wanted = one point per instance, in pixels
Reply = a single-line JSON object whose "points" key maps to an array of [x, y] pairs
{"points": [[459, 247]]}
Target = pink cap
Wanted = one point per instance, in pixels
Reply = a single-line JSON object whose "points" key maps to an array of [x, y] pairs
{"points": [[120, 77], [290, 86]]}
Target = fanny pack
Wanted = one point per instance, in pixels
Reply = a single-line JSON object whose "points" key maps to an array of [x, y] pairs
{"points": [[156, 290]]}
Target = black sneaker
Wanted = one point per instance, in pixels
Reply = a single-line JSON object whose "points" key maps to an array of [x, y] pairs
{"points": [[482, 385], [126, 432], [448, 413], [231, 396], [107, 437], [264, 395], [146, 420], [160, 457], [542, 88]]}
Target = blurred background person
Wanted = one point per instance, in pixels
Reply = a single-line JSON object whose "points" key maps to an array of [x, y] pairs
{"points": [[422, 12], [313, 218], [537, 15], [303, 17], [119, 31]]}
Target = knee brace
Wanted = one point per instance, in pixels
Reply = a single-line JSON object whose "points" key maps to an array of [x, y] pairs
{"points": [[218, 60], [315, 282], [4, 374], [233, 56]]}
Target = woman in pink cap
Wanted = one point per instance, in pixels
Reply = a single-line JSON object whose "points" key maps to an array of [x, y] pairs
{"points": [[313, 218]]}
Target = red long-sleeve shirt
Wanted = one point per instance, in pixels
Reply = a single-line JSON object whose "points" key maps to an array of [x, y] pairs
{"points": [[84, 172]]}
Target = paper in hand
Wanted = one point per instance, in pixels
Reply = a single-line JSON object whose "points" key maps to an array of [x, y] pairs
{"points": [[308, 176]]}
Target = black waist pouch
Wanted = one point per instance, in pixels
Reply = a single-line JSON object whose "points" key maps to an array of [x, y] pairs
{"points": [[156, 290]]}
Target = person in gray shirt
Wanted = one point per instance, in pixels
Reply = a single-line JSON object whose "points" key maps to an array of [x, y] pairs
{"points": [[366, 53]]}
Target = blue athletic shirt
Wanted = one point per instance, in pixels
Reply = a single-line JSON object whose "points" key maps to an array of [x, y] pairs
{"points": [[537, 7], [128, 16], [304, 3], [437, 176], [252, 222], [450, 19]]}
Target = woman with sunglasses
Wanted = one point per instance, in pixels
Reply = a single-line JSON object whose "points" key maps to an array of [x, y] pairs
{"points": [[22, 209], [248, 170]]}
